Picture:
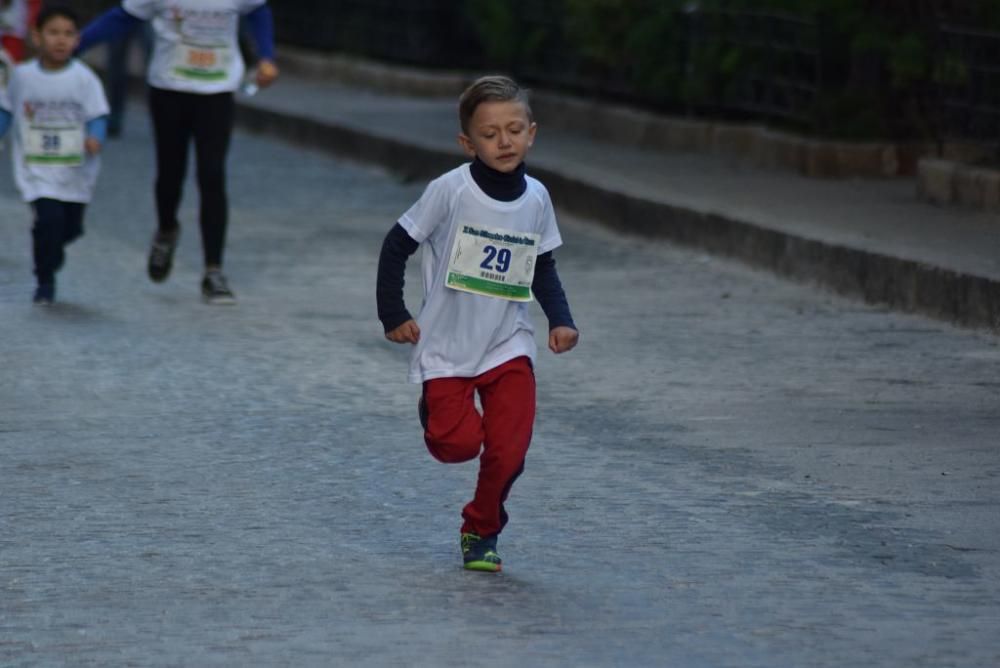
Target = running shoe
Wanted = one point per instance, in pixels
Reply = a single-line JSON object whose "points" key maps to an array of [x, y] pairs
{"points": [[215, 290], [480, 554], [161, 255], [45, 294]]}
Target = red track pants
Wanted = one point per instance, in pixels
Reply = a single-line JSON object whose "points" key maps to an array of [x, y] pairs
{"points": [[456, 432]]}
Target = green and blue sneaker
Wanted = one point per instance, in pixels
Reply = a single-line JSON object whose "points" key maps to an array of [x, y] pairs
{"points": [[480, 554]]}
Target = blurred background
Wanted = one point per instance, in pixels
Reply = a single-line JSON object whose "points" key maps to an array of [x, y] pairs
{"points": [[899, 70]]}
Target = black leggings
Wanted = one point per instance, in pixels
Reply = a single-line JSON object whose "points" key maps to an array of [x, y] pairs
{"points": [[177, 118], [57, 223]]}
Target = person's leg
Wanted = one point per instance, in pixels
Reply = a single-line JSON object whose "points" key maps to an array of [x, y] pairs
{"points": [[213, 129], [47, 245], [171, 112], [508, 397], [172, 131], [454, 428], [72, 221]]}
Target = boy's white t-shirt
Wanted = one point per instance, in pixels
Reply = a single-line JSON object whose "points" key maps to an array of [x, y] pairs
{"points": [[463, 334], [50, 111], [196, 49]]}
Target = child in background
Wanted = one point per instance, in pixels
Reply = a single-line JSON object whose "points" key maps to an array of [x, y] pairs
{"points": [[195, 68], [58, 110], [490, 231]]}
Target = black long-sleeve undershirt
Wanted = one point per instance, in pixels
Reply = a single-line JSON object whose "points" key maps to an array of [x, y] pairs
{"points": [[398, 246]]}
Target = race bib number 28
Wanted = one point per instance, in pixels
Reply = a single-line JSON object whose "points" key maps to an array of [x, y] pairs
{"points": [[54, 145], [493, 262]]}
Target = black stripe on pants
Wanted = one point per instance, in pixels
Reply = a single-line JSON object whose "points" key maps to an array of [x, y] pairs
{"points": [[57, 223], [208, 119]]}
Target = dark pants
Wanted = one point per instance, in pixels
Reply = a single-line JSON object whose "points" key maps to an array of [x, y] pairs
{"points": [[208, 119], [57, 224]]}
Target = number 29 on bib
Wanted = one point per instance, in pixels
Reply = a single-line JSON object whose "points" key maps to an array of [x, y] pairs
{"points": [[493, 262]]}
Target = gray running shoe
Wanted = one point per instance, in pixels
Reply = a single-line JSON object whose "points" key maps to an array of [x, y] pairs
{"points": [[215, 290], [161, 255]]}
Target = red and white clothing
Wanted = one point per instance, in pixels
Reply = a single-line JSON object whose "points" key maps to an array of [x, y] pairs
{"points": [[14, 22], [473, 344]]}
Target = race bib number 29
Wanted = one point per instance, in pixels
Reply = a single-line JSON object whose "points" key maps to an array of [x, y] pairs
{"points": [[493, 262]]}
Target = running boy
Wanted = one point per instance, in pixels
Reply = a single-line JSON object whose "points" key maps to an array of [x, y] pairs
{"points": [[60, 115], [490, 231]]}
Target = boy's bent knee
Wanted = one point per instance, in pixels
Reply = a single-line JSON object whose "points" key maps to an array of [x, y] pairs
{"points": [[451, 450]]}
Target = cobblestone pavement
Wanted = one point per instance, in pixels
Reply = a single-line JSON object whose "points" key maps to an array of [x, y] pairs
{"points": [[730, 470]]}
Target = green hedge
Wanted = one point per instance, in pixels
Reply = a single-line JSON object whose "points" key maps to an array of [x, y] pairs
{"points": [[879, 64], [858, 69]]}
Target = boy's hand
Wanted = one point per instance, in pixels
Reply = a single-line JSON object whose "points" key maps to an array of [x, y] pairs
{"points": [[91, 146], [408, 332], [562, 339], [267, 72]]}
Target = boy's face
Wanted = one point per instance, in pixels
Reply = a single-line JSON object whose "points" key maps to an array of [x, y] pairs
{"points": [[500, 134], [56, 40]]}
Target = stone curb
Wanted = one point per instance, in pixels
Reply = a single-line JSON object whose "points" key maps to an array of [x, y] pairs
{"points": [[363, 73], [616, 123], [901, 284], [949, 182], [761, 146]]}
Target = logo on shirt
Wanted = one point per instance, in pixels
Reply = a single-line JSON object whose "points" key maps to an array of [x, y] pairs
{"points": [[44, 111], [206, 19]]}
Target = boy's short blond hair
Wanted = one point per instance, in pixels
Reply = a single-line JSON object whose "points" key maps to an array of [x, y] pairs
{"points": [[492, 88]]}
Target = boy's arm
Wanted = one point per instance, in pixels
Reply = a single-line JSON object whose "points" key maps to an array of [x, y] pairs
{"points": [[548, 290], [112, 24], [97, 133], [397, 247]]}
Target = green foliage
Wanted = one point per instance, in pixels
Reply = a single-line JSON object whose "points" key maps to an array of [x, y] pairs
{"points": [[507, 38], [496, 24], [630, 43], [877, 58]]}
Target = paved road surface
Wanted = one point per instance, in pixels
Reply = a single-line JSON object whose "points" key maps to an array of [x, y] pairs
{"points": [[730, 470]]}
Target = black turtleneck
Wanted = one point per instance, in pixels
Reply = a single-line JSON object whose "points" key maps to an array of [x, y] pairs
{"points": [[398, 246], [503, 186]]}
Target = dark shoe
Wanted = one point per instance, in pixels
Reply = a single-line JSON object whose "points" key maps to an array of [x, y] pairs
{"points": [[161, 255], [480, 554], [215, 290], [45, 294]]}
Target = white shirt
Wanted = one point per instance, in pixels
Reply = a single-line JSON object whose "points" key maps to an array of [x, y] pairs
{"points": [[52, 107], [14, 19], [463, 334], [196, 49]]}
